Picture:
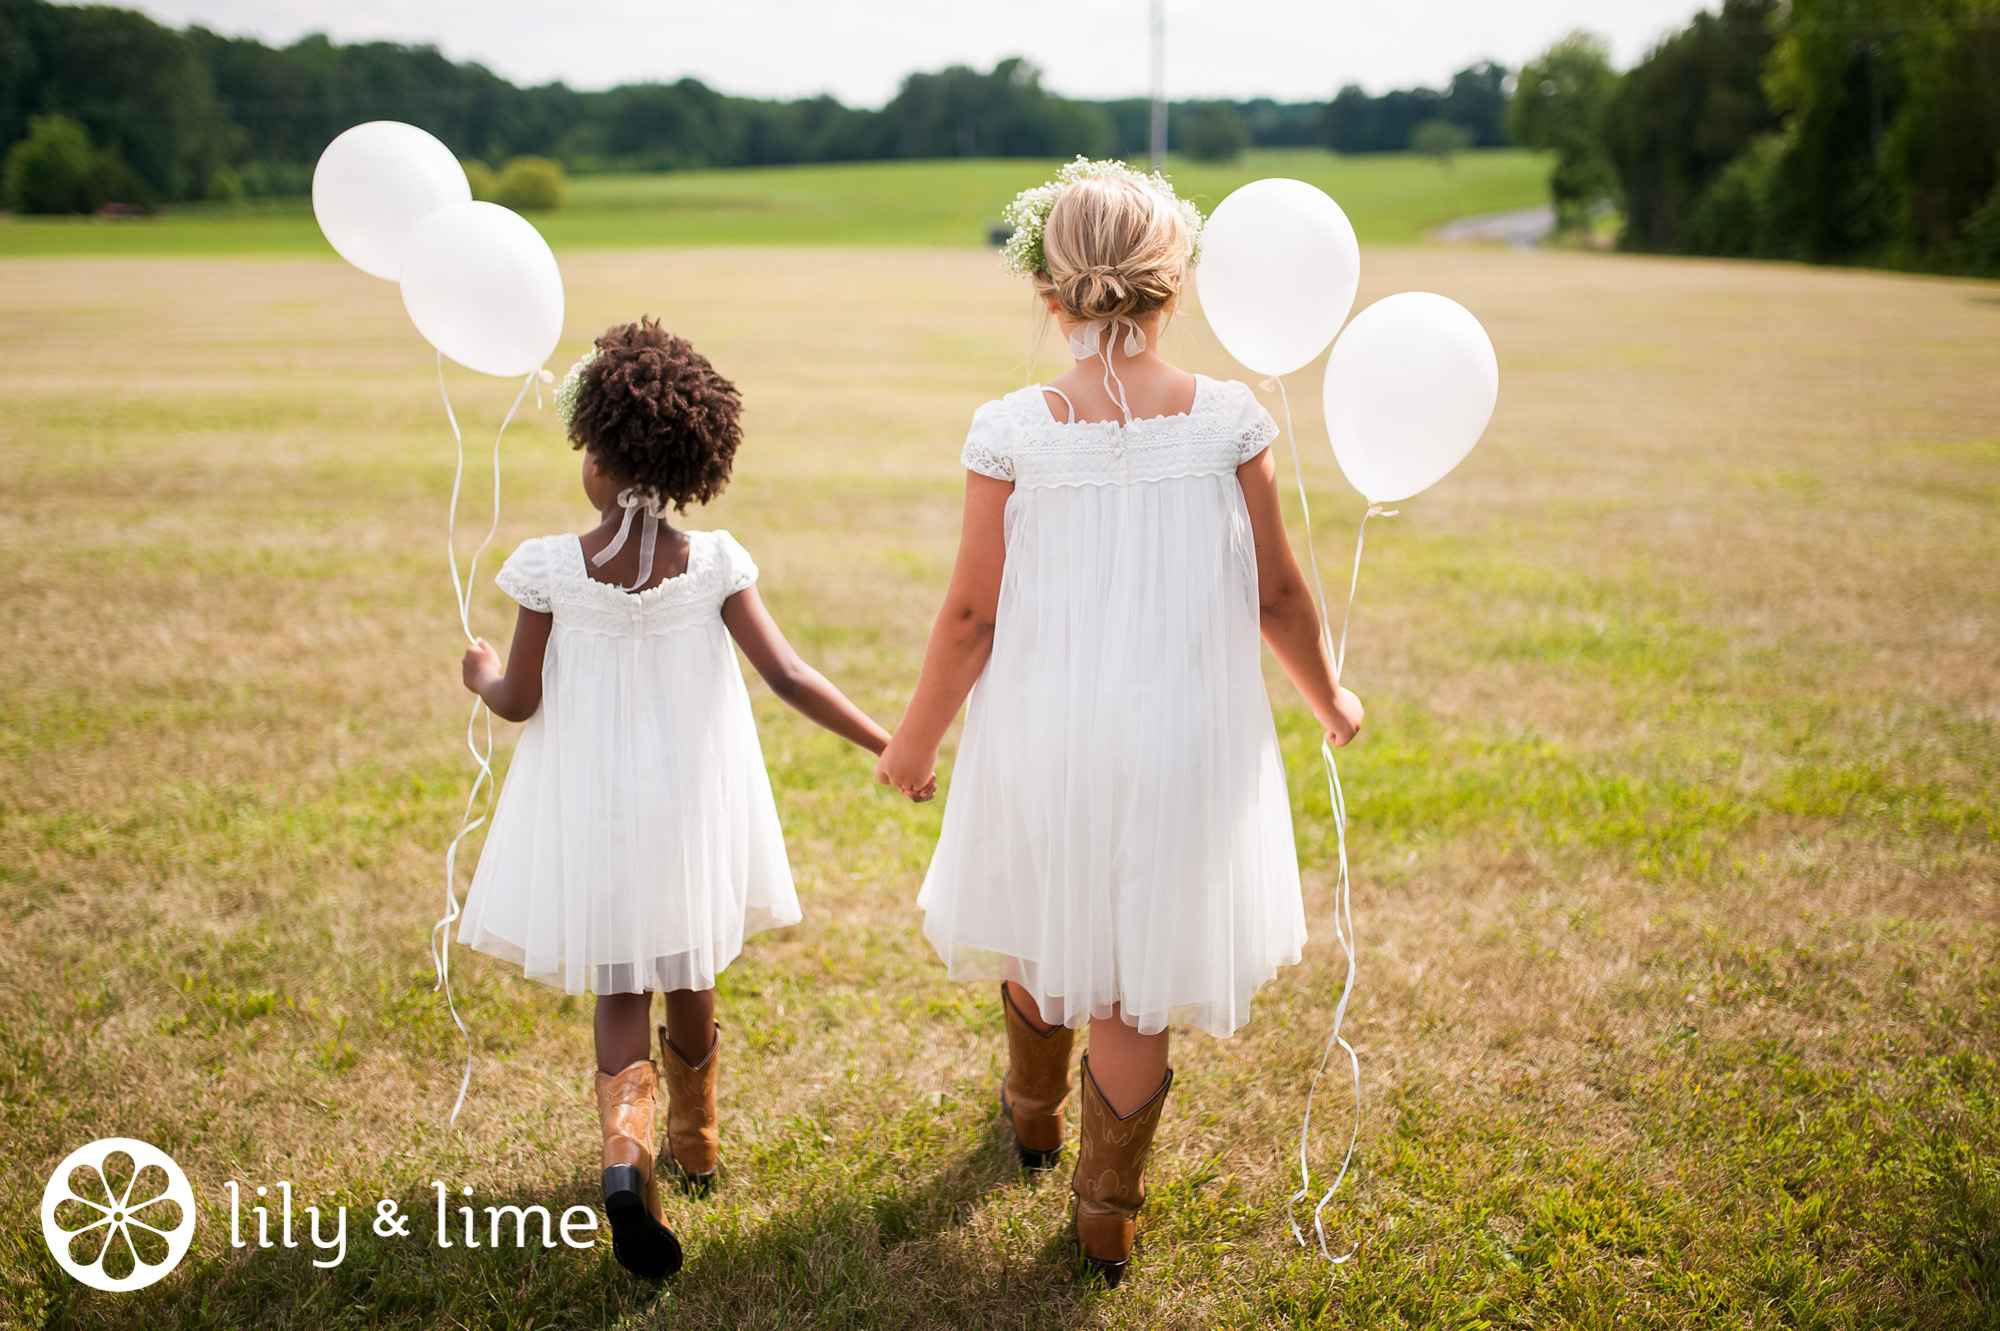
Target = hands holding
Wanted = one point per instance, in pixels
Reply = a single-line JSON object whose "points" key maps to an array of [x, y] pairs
{"points": [[915, 774]]}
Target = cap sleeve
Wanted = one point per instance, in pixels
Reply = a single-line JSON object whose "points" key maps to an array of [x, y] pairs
{"points": [[988, 445], [1254, 427], [525, 575], [739, 570]]}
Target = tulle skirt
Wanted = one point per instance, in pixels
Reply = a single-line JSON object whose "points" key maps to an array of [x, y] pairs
{"points": [[636, 843], [1118, 834]]}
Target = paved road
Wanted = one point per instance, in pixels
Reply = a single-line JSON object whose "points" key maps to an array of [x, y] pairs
{"points": [[1521, 227]]}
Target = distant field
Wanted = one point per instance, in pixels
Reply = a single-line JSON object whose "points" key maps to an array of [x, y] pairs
{"points": [[1676, 828], [1392, 200]]}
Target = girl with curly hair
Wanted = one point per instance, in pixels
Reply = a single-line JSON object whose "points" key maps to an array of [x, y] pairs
{"points": [[636, 844]]}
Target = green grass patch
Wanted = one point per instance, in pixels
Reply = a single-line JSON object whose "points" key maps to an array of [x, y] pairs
{"points": [[1393, 199]]}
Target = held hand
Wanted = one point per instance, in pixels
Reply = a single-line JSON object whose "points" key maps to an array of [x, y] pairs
{"points": [[914, 774], [481, 667], [1345, 723]]}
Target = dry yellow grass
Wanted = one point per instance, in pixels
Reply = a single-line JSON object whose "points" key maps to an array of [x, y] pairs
{"points": [[1675, 828]]}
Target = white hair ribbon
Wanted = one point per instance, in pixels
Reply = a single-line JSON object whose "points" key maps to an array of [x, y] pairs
{"points": [[634, 500], [1343, 902], [480, 747], [1097, 338]]}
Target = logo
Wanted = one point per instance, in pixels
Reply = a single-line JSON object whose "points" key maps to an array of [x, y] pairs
{"points": [[118, 1214]]}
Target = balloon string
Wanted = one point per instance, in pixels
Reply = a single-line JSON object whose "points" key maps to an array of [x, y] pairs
{"points": [[462, 586], [1354, 581], [1305, 507], [1343, 901], [478, 745]]}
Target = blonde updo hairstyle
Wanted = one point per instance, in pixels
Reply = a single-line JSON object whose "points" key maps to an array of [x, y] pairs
{"points": [[1113, 249]]}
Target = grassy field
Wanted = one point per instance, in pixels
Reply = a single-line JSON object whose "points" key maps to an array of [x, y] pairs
{"points": [[1392, 200], [1674, 831]]}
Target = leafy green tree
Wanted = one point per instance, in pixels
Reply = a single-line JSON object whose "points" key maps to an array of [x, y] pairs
{"points": [[1476, 102], [22, 24], [224, 185], [1942, 153], [1892, 108], [1401, 110], [659, 126], [177, 106], [1350, 121], [1213, 132], [1684, 113], [1560, 102], [531, 184], [1441, 139], [1275, 124], [1827, 130], [484, 181], [113, 181], [960, 112], [139, 89], [1737, 215], [270, 180], [49, 171], [1978, 245], [1834, 81]]}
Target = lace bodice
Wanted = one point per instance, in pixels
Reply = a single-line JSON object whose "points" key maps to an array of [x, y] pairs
{"points": [[1017, 439], [548, 573]]}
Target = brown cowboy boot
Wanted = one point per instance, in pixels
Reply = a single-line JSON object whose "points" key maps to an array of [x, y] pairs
{"points": [[691, 1131], [1036, 1084], [629, 1106], [1110, 1183]]}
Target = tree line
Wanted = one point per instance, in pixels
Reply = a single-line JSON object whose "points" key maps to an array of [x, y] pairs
{"points": [[1831, 131], [144, 113]]}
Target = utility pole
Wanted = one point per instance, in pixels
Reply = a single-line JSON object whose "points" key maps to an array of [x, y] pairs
{"points": [[1159, 126]]}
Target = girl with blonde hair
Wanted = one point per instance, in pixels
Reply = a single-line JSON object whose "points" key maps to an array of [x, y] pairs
{"points": [[1117, 843]]}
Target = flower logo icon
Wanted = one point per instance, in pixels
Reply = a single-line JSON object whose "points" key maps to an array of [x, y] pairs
{"points": [[118, 1214]]}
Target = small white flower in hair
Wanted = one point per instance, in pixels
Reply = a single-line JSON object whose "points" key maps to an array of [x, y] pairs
{"points": [[1027, 217], [572, 387]]}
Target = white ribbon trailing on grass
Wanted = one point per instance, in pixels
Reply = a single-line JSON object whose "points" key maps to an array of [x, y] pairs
{"points": [[480, 747], [1343, 900]]}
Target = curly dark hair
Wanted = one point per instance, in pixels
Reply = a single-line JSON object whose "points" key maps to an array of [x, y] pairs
{"points": [[654, 413]]}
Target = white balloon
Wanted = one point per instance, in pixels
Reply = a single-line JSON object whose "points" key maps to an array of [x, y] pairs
{"points": [[482, 286], [1410, 388], [374, 183], [1279, 266]]}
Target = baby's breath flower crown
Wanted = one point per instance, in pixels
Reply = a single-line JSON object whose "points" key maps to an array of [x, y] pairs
{"points": [[571, 386], [1028, 215]]}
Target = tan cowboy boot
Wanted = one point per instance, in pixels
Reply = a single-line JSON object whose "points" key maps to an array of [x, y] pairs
{"points": [[629, 1106], [1036, 1084], [691, 1131], [1110, 1183]]}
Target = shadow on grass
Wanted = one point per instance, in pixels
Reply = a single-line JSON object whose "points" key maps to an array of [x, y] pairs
{"points": [[895, 1255], [860, 1256]]}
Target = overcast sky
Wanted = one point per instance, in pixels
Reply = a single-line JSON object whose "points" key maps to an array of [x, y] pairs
{"points": [[860, 50]]}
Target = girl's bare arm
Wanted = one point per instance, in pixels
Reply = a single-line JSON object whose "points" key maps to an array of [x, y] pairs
{"points": [[796, 683], [1286, 613], [512, 691], [961, 639]]}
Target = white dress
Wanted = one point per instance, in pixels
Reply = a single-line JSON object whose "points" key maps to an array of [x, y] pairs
{"points": [[1118, 830], [636, 843]]}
